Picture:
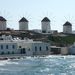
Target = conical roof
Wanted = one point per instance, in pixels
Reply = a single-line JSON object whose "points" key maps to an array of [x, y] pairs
{"points": [[2, 18], [45, 20], [23, 20], [67, 24]]}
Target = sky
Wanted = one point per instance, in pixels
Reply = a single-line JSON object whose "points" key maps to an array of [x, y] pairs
{"points": [[58, 11]]}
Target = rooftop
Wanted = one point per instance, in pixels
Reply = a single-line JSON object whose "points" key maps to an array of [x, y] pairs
{"points": [[45, 20], [23, 20], [67, 24], [2, 18]]}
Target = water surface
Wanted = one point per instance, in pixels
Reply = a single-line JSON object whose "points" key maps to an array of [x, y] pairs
{"points": [[49, 65]]}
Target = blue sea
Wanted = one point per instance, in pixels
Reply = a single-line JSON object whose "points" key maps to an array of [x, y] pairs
{"points": [[48, 65]]}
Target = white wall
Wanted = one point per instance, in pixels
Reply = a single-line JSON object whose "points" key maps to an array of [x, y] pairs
{"points": [[27, 46], [23, 25], [72, 50], [64, 50], [43, 51], [67, 29], [10, 49], [46, 27], [30, 48], [2, 25]]}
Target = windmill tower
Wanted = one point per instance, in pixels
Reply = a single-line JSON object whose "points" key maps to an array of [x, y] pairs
{"points": [[2, 23], [23, 24], [45, 25], [67, 27]]}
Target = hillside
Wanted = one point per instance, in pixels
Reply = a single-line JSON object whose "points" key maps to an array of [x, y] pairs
{"points": [[67, 40]]}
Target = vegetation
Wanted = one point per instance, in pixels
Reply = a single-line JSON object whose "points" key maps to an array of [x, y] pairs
{"points": [[70, 39]]}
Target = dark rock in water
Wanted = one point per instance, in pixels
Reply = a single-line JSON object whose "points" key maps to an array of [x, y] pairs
{"points": [[3, 58], [12, 58]]}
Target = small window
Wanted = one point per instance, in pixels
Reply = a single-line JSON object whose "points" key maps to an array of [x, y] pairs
{"points": [[19, 46], [44, 31], [47, 48], [40, 48], [12, 52], [2, 53], [8, 52], [1, 46], [24, 51], [6, 46], [29, 49], [35, 48], [13, 46]]}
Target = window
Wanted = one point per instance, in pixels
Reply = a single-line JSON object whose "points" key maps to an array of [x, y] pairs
{"points": [[19, 46], [2, 53], [6, 46], [23, 51], [8, 52], [29, 49], [35, 48], [12, 52], [1, 46], [13, 46], [44, 31], [47, 48], [40, 48]]}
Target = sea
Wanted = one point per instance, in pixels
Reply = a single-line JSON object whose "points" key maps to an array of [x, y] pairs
{"points": [[45, 65]]}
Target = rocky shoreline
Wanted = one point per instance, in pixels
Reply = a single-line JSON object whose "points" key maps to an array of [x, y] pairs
{"points": [[15, 56]]}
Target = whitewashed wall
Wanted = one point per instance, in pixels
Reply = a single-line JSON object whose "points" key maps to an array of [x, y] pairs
{"points": [[46, 27], [2, 25], [23, 26], [67, 29], [10, 49], [43, 49], [27, 46], [64, 50]]}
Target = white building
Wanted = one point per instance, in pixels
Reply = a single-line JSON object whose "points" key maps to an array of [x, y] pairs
{"points": [[30, 48], [7, 46], [72, 49], [46, 25], [67, 27], [26, 47], [2, 23], [23, 24]]}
